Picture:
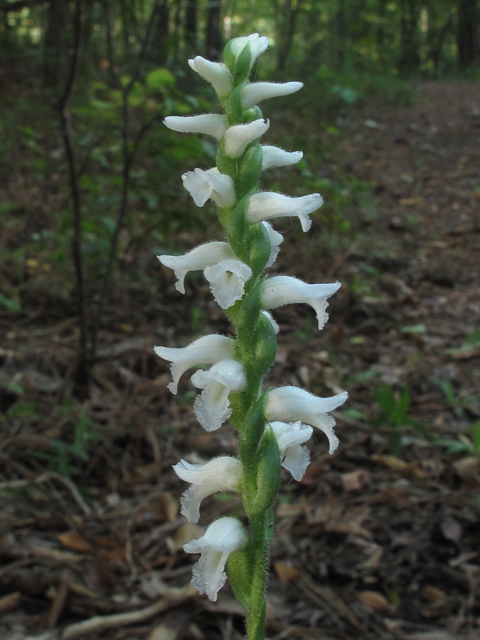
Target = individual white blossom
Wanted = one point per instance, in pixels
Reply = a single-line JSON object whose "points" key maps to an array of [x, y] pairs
{"points": [[290, 437], [215, 73], [221, 538], [240, 135], [197, 259], [212, 406], [227, 281], [281, 290], [211, 124], [289, 404], [206, 350], [276, 157], [203, 185], [220, 474], [276, 240], [258, 44], [267, 205], [254, 93]]}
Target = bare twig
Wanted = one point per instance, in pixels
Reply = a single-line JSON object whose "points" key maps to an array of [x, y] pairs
{"points": [[82, 373]]}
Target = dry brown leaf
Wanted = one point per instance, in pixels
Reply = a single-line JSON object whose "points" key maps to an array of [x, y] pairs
{"points": [[392, 462], [75, 541], [110, 549], [355, 480], [468, 468], [186, 533], [434, 595], [285, 571], [350, 522], [330, 509], [374, 600], [9, 602], [163, 632]]}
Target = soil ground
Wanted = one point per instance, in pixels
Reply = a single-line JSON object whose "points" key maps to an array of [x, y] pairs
{"points": [[380, 540]]}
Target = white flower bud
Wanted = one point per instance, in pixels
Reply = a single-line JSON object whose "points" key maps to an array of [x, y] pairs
{"points": [[267, 205], [212, 407], [276, 157], [203, 185], [206, 350], [240, 135], [221, 538], [258, 44], [289, 404], [219, 474], [282, 290], [227, 281], [211, 124], [254, 93], [214, 72], [197, 259]]}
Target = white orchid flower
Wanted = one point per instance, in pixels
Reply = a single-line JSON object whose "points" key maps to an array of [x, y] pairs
{"points": [[274, 324], [203, 185], [220, 474], [215, 73], [254, 93], [289, 404], [237, 137], [276, 240], [206, 350], [282, 290], [258, 44], [290, 437], [267, 205], [227, 281], [221, 538], [276, 157], [212, 406], [197, 259], [211, 124]]}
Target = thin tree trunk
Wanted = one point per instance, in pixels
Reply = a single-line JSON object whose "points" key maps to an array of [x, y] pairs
{"points": [[382, 10], [213, 43], [54, 42], [191, 25], [467, 33], [290, 10], [409, 57]]}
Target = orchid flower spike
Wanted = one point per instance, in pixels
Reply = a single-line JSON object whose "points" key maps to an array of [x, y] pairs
{"points": [[212, 406], [210, 124], [220, 474], [291, 403], [197, 259], [294, 457], [267, 205], [203, 185], [220, 539], [282, 290], [215, 73], [207, 350]]}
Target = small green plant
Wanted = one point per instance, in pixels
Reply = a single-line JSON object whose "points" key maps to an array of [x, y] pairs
{"points": [[62, 459], [394, 407], [468, 441], [457, 402]]}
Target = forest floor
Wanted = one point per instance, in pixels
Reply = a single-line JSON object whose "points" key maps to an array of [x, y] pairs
{"points": [[379, 541]]}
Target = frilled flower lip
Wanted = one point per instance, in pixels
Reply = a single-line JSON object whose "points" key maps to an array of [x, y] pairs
{"points": [[289, 404], [267, 205], [210, 124], [239, 136], [203, 185], [294, 457], [214, 72], [212, 406], [282, 290], [256, 92], [227, 281], [221, 538], [206, 350], [220, 474], [197, 259]]}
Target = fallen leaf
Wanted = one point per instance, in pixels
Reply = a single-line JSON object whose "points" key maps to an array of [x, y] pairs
{"points": [[355, 480], [392, 462], [374, 600], [285, 571], [434, 595], [75, 541]]}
